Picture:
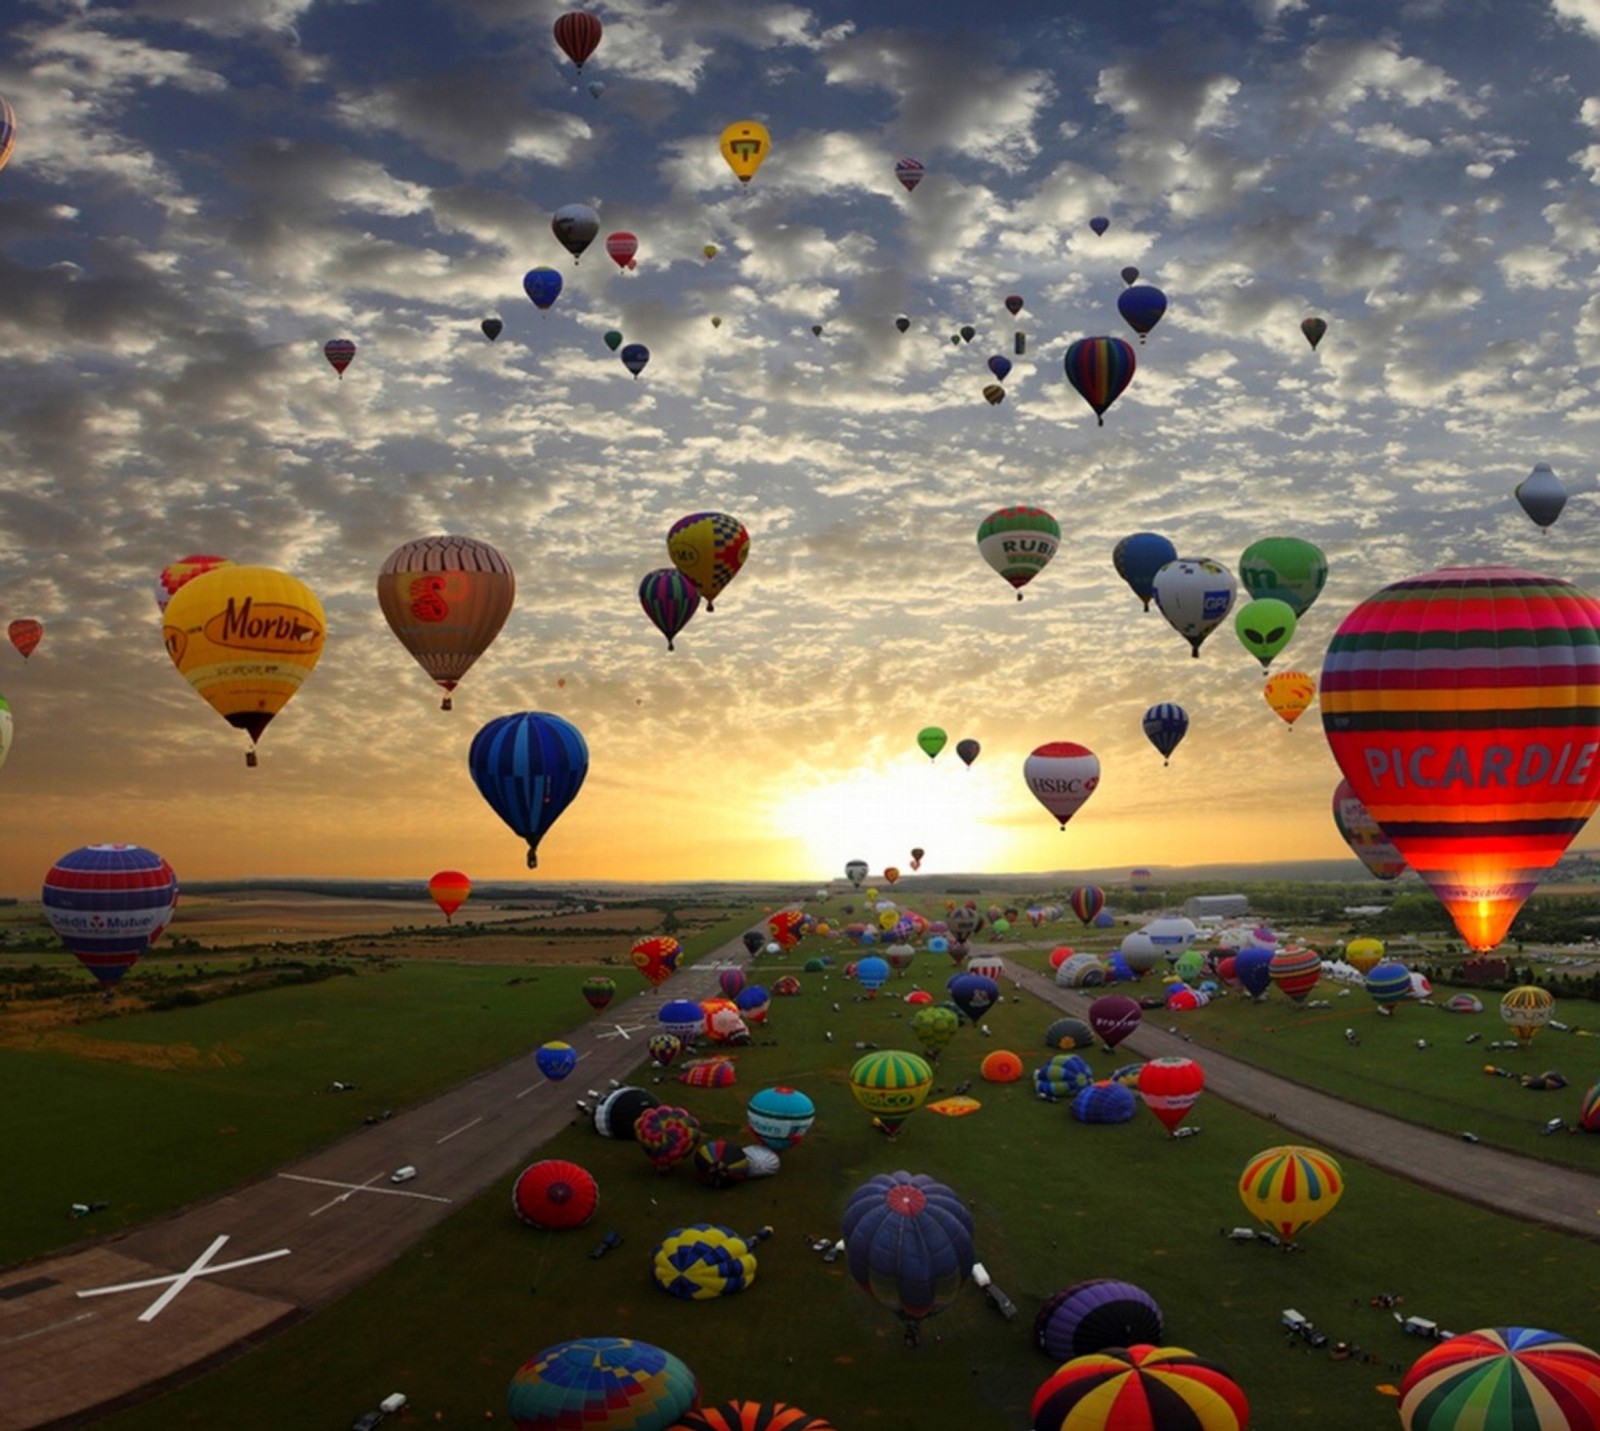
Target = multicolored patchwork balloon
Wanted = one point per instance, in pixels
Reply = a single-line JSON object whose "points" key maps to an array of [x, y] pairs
{"points": [[1502, 1379], [709, 548]]}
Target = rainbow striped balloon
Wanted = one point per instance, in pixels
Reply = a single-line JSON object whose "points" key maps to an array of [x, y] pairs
{"points": [[1141, 1388], [1100, 368], [1462, 706], [601, 1381], [1589, 1113], [1502, 1379], [1289, 1188]]}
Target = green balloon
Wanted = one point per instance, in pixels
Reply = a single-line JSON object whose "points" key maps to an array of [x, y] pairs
{"points": [[932, 740], [934, 1026], [1285, 568], [1265, 627], [613, 340]]}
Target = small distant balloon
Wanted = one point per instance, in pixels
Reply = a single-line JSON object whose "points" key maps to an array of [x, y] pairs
{"points": [[613, 339], [492, 328], [1314, 328], [994, 394], [543, 286], [1130, 275], [745, 145], [909, 172], [710, 250], [1099, 223], [968, 332], [968, 751], [669, 599], [575, 227], [902, 323], [1141, 306], [622, 246], [339, 352], [1000, 366], [1541, 495], [1165, 726], [1014, 304], [634, 357]]}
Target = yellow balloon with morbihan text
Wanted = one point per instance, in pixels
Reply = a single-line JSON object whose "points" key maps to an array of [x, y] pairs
{"points": [[245, 637]]}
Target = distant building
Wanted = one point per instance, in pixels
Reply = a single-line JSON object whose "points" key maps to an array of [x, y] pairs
{"points": [[1216, 906]]}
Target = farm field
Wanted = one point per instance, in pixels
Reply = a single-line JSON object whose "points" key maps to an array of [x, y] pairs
{"points": [[1054, 1201]]}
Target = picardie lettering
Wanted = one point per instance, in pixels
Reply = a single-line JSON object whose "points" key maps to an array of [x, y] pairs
{"points": [[1425, 767]]}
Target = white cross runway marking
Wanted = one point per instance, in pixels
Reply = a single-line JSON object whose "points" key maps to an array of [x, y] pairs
{"points": [[620, 1032], [177, 1281], [353, 1188]]}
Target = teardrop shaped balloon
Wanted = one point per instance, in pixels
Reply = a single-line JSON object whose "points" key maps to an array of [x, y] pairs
{"points": [[931, 739], [596, 89], [1365, 835], [968, 750], [1141, 306], [578, 33], [1099, 224], [1138, 558], [1061, 776], [1018, 542], [910, 173], [994, 394], [1461, 706], [1000, 366], [245, 637], [710, 250], [709, 548], [1541, 495], [1287, 568], [902, 323], [745, 145], [635, 357], [543, 287], [449, 889], [968, 332], [1130, 275], [1165, 725], [1290, 694], [529, 767], [622, 246], [1314, 329], [669, 599], [1195, 594], [1264, 626], [1100, 369], [1014, 304], [492, 328], [340, 353], [446, 598], [613, 339], [575, 227]]}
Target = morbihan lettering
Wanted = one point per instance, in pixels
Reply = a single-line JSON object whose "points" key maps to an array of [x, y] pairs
{"points": [[241, 623], [1425, 768]]}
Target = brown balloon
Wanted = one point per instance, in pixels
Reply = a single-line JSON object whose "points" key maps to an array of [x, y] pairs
{"points": [[446, 599]]}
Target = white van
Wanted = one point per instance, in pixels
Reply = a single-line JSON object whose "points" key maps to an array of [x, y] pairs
{"points": [[395, 1401], [403, 1175]]}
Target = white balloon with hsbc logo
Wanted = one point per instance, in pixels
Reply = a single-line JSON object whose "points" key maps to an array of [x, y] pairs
{"points": [[1062, 775]]}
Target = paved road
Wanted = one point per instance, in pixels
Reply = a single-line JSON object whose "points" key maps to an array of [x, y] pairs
{"points": [[65, 1357]]}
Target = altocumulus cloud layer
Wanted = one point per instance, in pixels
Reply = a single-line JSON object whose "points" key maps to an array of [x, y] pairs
{"points": [[203, 193]]}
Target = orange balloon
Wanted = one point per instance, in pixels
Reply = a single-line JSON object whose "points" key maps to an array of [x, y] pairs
{"points": [[1001, 1066], [449, 889]]}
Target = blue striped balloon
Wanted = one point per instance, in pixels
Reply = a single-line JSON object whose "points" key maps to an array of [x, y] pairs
{"points": [[1165, 725], [529, 767], [108, 903]]}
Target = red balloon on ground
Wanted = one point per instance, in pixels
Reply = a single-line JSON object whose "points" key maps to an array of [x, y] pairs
{"points": [[554, 1195]]}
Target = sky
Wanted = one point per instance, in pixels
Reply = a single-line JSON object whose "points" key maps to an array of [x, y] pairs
{"points": [[203, 192]]}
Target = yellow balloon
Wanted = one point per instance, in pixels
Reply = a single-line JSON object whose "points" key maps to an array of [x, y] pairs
{"points": [[1290, 694], [744, 146], [710, 250], [245, 637], [888, 919], [1364, 954]]}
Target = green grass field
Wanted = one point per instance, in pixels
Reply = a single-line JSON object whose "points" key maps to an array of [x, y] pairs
{"points": [[1054, 1202]]}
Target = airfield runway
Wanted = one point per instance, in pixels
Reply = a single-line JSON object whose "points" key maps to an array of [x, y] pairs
{"points": [[111, 1324]]}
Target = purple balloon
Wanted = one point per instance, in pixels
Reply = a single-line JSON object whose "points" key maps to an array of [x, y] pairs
{"points": [[1093, 1315], [1114, 1016]]}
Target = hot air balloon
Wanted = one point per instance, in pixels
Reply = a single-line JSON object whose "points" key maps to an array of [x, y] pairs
{"points": [[709, 548], [909, 172], [974, 994], [663, 1048], [598, 991], [1457, 705], [1165, 726], [1144, 1388], [787, 927], [1284, 569], [703, 1261], [556, 1060], [1100, 368], [1364, 955], [575, 227], [183, 570], [902, 323], [1295, 972], [1095, 1315], [721, 1163], [1252, 968], [1313, 328], [578, 33], [745, 146], [1130, 275], [245, 637], [1018, 542], [1138, 558], [1389, 983], [25, 634], [908, 1243], [994, 394], [1502, 1379], [999, 365], [753, 1416], [1264, 627], [934, 1026], [543, 286], [1542, 495], [616, 1114], [446, 598], [656, 958], [780, 1117], [108, 904], [622, 246], [932, 740], [917, 852], [1099, 224], [1087, 901], [529, 767], [492, 328], [8, 132], [669, 599], [449, 890], [967, 333], [1061, 776], [613, 339], [635, 358], [666, 1134], [1113, 1017], [339, 352], [1195, 594], [1104, 1101], [1525, 1010], [855, 871], [1290, 694], [555, 1195], [1014, 304], [891, 1085], [1289, 1188], [1170, 1088], [1364, 835], [5, 730], [1069, 1034], [1141, 306], [601, 1383], [968, 751]]}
